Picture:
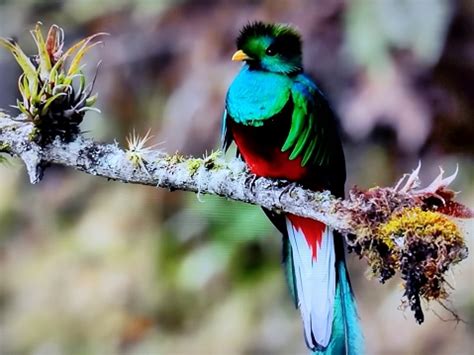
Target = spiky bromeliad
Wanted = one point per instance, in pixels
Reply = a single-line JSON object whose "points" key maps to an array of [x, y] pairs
{"points": [[284, 128]]}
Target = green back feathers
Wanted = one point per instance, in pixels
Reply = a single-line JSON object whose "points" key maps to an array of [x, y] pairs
{"points": [[306, 137]]}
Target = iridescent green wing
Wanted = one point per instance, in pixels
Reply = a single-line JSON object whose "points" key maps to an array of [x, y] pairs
{"points": [[310, 124]]}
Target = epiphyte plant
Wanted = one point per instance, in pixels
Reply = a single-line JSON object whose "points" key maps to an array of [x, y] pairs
{"points": [[54, 91]]}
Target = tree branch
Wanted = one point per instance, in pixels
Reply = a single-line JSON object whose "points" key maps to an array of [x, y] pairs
{"points": [[209, 175]]}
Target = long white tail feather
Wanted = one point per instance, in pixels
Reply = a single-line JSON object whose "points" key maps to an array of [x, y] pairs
{"points": [[315, 283]]}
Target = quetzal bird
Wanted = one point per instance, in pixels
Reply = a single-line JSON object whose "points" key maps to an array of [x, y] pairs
{"points": [[284, 128]]}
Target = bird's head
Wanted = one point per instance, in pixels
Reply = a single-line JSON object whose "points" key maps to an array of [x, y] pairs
{"points": [[270, 47]]}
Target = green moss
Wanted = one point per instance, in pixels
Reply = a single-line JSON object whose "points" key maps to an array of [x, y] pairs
{"points": [[33, 134], [194, 165], [135, 158], [211, 161], [174, 159], [5, 148]]}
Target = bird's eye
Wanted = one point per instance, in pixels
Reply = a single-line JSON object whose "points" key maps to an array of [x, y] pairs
{"points": [[270, 51]]}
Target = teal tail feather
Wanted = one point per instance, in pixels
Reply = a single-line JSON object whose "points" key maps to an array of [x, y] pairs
{"points": [[347, 338]]}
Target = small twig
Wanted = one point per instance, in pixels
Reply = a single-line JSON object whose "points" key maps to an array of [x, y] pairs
{"points": [[456, 318]]}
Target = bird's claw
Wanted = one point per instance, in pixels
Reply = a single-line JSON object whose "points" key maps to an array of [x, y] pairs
{"points": [[287, 190], [250, 181]]}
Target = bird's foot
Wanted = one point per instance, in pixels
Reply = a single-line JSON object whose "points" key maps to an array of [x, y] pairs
{"points": [[250, 181], [287, 190]]}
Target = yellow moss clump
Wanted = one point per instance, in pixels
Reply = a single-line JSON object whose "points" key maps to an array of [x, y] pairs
{"points": [[421, 245], [410, 233], [423, 224]]}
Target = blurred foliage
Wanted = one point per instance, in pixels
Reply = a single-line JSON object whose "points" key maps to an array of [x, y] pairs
{"points": [[93, 267]]}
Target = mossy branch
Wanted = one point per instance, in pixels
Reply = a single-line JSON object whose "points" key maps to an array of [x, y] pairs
{"points": [[209, 175]]}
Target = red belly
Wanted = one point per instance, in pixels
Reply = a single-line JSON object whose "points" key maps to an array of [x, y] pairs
{"points": [[267, 161]]}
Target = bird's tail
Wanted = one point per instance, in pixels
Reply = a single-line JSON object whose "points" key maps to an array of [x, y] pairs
{"points": [[319, 284], [347, 335]]}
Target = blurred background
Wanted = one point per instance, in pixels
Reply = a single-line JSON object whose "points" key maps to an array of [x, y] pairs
{"points": [[89, 266]]}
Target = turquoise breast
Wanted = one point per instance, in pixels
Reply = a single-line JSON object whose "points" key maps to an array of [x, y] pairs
{"points": [[255, 96]]}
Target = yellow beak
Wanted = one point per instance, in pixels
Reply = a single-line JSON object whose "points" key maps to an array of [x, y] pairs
{"points": [[240, 56]]}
